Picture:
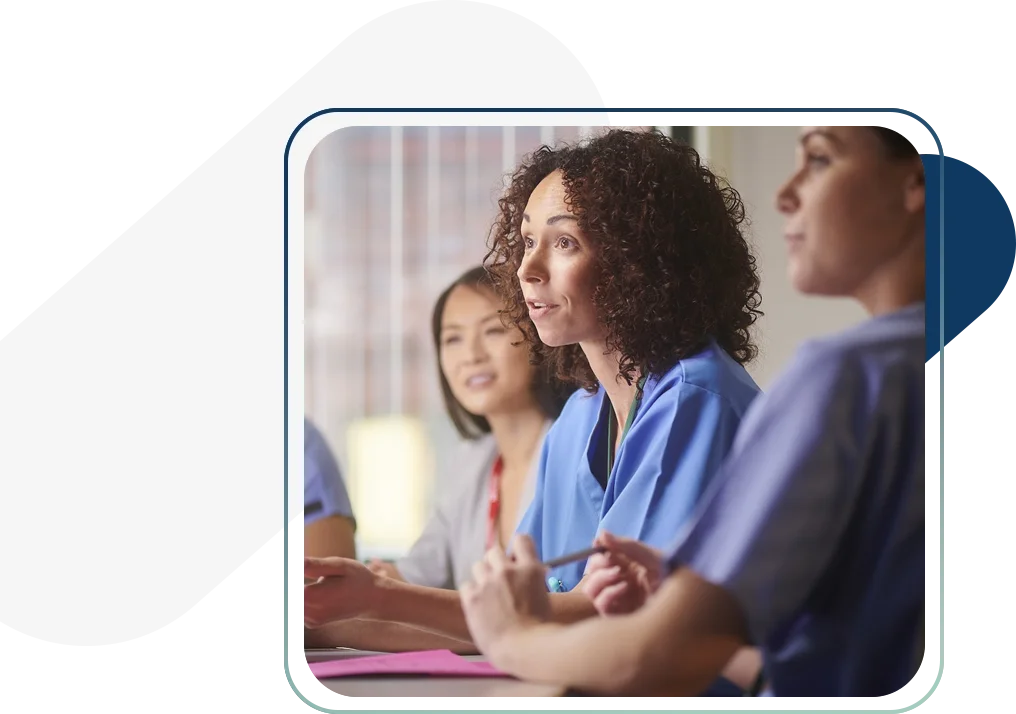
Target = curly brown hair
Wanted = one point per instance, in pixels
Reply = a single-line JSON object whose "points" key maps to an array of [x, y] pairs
{"points": [[674, 268]]}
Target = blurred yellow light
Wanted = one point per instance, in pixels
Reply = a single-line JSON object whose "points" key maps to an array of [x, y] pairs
{"points": [[390, 468]]}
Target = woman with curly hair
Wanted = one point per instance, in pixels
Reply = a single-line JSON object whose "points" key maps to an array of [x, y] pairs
{"points": [[810, 541], [623, 263]]}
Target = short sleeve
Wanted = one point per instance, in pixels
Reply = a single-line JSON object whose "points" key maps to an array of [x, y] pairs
{"points": [[324, 492], [771, 523], [674, 452]]}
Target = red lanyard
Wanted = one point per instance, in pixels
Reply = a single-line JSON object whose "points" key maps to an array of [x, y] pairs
{"points": [[494, 502]]}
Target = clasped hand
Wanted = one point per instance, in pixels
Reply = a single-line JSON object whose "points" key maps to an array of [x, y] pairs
{"points": [[506, 595], [338, 589]]}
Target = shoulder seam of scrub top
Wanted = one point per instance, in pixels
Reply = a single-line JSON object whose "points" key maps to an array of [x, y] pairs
{"points": [[684, 377], [699, 387]]}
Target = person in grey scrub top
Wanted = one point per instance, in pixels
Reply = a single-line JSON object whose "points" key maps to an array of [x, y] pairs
{"points": [[502, 406]]}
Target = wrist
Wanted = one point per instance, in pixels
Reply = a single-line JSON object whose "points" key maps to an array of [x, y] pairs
{"points": [[509, 650], [378, 600], [503, 651]]}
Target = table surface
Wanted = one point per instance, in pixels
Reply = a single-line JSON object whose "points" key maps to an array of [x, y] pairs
{"points": [[395, 686]]}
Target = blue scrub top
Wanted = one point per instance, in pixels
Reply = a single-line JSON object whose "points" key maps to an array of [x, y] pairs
{"points": [[681, 431], [816, 522], [324, 492]]}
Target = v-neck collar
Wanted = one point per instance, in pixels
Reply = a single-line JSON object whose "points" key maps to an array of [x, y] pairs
{"points": [[588, 482]]}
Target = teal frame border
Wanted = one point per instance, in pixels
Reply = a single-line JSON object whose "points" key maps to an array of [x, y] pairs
{"points": [[285, 356]]}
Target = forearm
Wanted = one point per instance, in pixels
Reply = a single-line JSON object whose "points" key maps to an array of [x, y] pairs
{"points": [[660, 650], [434, 609], [381, 636], [574, 606], [574, 656], [440, 611]]}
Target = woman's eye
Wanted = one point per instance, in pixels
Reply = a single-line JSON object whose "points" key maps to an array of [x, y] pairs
{"points": [[495, 331], [817, 160], [527, 242], [450, 340], [566, 242]]}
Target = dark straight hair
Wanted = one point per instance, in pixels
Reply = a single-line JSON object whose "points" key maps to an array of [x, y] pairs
{"points": [[549, 393]]}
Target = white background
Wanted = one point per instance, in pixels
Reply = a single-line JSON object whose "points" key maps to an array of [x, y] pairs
{"points": [[108, 111]]}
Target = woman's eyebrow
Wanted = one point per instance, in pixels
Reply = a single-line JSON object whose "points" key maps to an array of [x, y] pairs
{"points": [[554, 218]]}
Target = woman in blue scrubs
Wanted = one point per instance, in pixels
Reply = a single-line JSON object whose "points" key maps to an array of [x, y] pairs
{"points": [[623, 263], [810, 540], [328, 523]]}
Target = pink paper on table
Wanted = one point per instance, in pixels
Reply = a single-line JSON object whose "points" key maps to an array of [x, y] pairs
{"points": [[435, 663]]}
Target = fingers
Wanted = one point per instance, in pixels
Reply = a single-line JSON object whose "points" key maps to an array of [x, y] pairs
{"points": [[612, 599], [618, 547], [595, 582], [608, 561], [313, 607], [632, 549], [496, 558], [381, 568], [496, 563], [597, 561], [481, 571], [525, 550], [324, 567], [617, 544]]}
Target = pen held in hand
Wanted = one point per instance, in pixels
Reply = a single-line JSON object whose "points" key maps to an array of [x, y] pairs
{"points": [[572, 557]]}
